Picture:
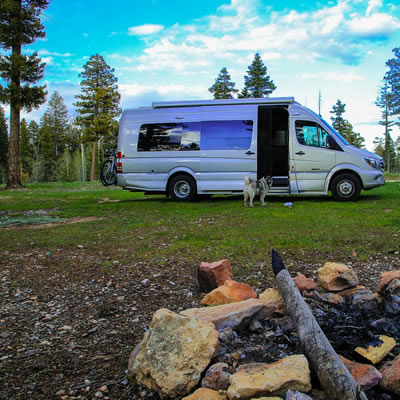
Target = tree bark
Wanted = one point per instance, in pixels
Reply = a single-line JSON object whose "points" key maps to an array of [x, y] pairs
{"points": [[93, 166], [14, 170], [334, 377]]}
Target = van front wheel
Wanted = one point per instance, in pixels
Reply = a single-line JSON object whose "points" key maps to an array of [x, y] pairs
{"points": [[182, 188], [346, 187]]}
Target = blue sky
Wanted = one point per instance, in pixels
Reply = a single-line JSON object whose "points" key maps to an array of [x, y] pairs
{"points": [[174, 49]]}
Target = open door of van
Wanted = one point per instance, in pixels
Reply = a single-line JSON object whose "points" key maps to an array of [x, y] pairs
{"points": [[273, 147]]}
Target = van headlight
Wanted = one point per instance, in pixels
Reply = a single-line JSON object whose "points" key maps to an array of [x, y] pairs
{"points": [[372, 162]]}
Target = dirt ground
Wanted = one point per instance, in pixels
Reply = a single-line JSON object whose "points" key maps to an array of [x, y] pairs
{"points": [[68, 324]]}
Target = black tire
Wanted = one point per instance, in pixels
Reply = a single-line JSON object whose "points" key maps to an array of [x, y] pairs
{"points": [[108, 173], [182, 188], [345, 187]]}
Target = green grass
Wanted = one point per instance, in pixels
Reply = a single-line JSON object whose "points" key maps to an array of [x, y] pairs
{"points": [[154, 228]]}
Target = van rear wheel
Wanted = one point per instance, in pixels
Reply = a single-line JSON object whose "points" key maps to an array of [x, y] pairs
{"points": [[345, 187], [182, 188]]}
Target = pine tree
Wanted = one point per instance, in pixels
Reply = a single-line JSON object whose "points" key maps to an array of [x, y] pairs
{"points": [[20, 25], [379, 147], [34, 134], [223, 87], [97, 104], [57, 122], [337, 120], [352, 137], [257, 83], [344, 127], [25, 149], [47, 153], [384, 101], [393, 79], [3, 146]]}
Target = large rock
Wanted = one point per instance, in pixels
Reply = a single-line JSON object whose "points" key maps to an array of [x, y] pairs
{"points": [[273, 297], [386, 278], [391, 376], [174, 352], [335, 277], [255, 380], [234, 315], [332, 298], [391, 299], [206, 394], [365, 375], [365, 300], [217, 377], [212, 275], [304, 284], [229, 292]]}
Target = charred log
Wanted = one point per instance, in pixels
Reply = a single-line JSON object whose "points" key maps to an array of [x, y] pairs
{"points": [[334, 377]]}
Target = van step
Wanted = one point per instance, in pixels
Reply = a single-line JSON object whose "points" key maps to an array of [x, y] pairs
{"points": [[279, 190], [279, 181]]}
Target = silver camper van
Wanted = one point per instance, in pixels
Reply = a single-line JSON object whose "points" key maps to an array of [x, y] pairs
{"points": [[208, 147]]}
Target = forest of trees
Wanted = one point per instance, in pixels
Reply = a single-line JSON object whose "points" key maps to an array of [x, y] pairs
{"points": [[59, 148]]}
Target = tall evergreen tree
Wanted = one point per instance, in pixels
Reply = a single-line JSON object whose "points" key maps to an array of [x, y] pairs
{"points": [[20, 25], [337, 119], [34, 134], [384, 101], [352, 137], [47, 152], [257, 83], [98, 103], [25, 148], [344, 127], [393, 78], [3, 146], [57, 122], [223, 87]]}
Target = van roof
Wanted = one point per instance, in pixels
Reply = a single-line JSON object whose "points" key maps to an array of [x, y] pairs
{"points": [[191, 103]]}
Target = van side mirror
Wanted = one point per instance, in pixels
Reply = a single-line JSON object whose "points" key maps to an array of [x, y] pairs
{"points": [[332, 144]]}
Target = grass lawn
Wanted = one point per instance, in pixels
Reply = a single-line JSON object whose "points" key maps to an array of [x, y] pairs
{"points": [[77, 296], [153, 228]]}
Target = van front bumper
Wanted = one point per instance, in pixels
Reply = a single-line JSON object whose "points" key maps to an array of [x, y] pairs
{"points": [[372, 179]]}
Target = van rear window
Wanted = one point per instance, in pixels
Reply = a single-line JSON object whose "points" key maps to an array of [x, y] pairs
{"points": [[206, 135], [169, 136]]}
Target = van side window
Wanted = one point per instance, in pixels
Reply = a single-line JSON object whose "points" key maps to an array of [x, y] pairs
{"points": [[206, 135], [226, 135], [307, 133], [169, 137], [312, 134]]}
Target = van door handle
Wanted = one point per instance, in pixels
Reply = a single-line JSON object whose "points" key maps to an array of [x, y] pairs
{"points": [[250, 153], [300, 153]]}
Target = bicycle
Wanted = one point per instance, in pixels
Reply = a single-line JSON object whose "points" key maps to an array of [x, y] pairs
{"points": [[108, 170]]}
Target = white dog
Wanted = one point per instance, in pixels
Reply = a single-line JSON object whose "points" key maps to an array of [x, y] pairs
{"points": [[252, 188]]}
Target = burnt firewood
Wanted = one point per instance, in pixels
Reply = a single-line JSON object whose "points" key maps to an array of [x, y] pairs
{"points": [[334, 377]]}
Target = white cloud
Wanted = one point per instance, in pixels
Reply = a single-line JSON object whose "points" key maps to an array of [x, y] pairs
{"points": [[143, 30], [372, 5], [341, 77], [376, 25], [52, 53], [329, 33]]}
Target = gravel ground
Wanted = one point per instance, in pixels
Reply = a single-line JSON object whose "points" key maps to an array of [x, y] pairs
{"points": [[68, 325]]}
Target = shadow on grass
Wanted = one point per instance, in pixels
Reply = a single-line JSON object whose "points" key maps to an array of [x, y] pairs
{"points": [[215, 199]]}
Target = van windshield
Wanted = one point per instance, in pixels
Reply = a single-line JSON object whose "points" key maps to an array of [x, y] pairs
{"points": [[337, 134]]}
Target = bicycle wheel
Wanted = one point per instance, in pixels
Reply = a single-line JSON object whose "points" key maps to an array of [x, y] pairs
{"points": [[108, 173]]}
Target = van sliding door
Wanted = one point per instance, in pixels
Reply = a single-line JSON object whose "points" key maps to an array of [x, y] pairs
{"points": [[228, 149]]}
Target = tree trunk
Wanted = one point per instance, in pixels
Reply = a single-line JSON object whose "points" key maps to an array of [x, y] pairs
{"points": [[93, 166], [14, 170], [83, 160], [334, 377]]}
